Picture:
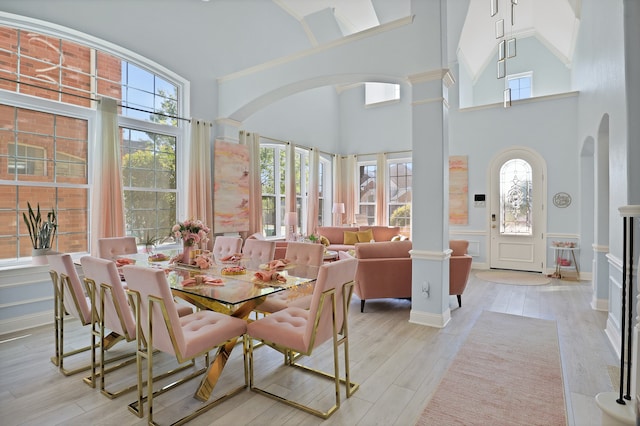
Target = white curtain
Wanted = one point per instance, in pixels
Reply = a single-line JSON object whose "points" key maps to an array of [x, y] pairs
{"points": [[351, 186], [199, 188], [290, 181], [344, 185], [381, 193], [252, 140], [107, 199], [313, 194]]}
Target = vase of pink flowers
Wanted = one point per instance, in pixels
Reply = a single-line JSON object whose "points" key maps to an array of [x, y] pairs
{"points": [[193, 234]]}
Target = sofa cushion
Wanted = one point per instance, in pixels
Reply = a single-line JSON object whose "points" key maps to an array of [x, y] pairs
{"points": [[365, 236], [335, 234], [350, 238], [382, 233]]}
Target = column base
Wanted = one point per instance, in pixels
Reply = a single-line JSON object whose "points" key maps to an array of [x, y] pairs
{"points": [[614, 414]]}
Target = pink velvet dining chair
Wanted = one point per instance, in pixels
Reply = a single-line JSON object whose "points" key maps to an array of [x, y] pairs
{"points": [[296, 332], [258, 251], [112, 247], [300, 254], [69, 297], [226, 246], [114, 313], [186, 338]]}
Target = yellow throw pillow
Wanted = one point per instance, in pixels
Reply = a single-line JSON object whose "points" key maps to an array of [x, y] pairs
{"points": [[350, 238], [324, 240], [365, 236]]}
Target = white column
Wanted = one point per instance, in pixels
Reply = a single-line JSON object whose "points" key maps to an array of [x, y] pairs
{"points": [[430, 204]]}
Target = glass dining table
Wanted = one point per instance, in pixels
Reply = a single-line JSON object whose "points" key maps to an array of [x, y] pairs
{"points": [[236, 295]]}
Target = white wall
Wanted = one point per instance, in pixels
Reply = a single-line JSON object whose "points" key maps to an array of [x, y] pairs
{"points": [[547, 126], [373, 129], [308, 118]]}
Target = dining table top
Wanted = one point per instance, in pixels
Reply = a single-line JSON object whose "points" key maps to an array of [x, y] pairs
{"points": [[228, 290]]}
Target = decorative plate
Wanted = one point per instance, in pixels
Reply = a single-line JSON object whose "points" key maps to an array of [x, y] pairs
{"points": [[561, 200]]}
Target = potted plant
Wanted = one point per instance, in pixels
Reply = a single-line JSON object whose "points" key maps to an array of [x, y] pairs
{"points": [[150, 242], [42, 232]]}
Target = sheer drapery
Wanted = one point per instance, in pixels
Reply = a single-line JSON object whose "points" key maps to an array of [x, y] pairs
{"points": [[290, 179], [199, 192], [344, 185], [313, 193], [381, 193], [107, 200], [252, 140]]}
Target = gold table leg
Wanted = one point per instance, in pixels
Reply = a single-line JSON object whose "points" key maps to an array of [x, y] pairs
{"points": [[214, 371]]}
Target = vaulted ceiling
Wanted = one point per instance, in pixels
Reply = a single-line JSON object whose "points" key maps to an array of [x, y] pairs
{"points": [[554, 22]]}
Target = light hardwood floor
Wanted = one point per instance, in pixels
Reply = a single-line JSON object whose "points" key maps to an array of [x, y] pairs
{"points": [[397, 364]]}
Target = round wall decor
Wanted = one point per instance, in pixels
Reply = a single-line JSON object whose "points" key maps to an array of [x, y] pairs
{"points": [[561, 200]]}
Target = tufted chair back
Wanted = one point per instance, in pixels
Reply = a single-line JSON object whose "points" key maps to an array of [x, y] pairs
{"points": [[112, 247], [305, 253], [226, 246], [259, 251]]}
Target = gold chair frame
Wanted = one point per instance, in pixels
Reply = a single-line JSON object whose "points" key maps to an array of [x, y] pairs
{"points": [[108, 341], [291, 357], [60, 281], [142, 352]]}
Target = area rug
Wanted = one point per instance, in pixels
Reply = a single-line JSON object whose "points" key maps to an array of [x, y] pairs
{"points": [[507, 372], [513, 277]]}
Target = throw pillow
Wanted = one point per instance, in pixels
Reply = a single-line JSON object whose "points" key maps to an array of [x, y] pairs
{"points": [[365, 236], [324, 240], [350, 238], [396, 238]]}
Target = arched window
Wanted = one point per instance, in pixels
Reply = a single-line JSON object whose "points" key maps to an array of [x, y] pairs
{"points": [[515, 197]]}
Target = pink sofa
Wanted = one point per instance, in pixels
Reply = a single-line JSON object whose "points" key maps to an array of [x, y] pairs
{"points": [[384, 270], [335, 235], [459, 268]]}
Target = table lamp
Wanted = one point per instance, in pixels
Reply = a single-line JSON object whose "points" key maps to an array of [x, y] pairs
{"points": [[291, 221], [338, 211]]}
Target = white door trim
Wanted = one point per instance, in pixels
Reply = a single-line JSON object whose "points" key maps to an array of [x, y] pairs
{"points": [[537, 163]]}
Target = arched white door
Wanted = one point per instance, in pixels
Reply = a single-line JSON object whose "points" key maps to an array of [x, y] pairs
{"points": [[517, 219]]}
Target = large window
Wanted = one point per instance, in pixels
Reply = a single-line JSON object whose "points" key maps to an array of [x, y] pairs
{"points": [[272, 177], [400, 194], [43, 161], [367, 192], [273, 169], [378, 93], [47, 115]]}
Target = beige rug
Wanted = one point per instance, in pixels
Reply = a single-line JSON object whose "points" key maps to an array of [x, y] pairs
{"points": [[507, 372], [513, 277]]}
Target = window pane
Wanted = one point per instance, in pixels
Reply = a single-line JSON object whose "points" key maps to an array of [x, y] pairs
{"points": [[149, 179], [515, 197], [400, 195]]}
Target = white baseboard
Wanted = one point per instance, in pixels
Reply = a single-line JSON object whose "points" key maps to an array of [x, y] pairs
{"points": [[600, 304], [25, 322], [430, 319]]}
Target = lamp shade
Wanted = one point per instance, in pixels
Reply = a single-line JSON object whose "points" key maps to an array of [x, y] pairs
{"points": [[338, 208], [291, 219]]}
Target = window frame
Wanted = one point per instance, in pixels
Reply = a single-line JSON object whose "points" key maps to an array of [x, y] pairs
{"points": [[390, 162], [519, 76], [20, 100]]}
